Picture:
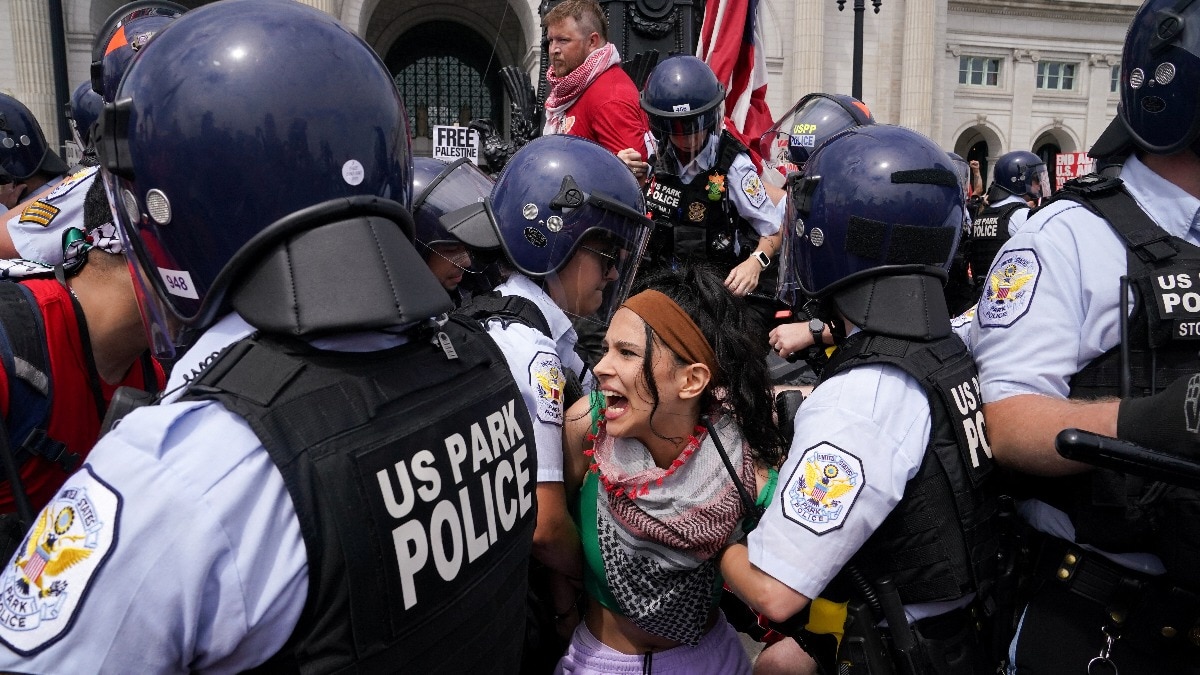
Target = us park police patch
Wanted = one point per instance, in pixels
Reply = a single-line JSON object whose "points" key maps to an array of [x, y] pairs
{"points": [[823, 488], [548, 382], [46, 581], [1009, 288]]}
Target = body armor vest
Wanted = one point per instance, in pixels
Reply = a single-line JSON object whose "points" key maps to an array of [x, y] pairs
{"points": [[940, 541], [988, 233], [412, 472], [699, 222], [1111, 510]]}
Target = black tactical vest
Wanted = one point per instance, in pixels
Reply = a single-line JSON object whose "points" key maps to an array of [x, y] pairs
{"points": [[701, 223], [940, 541], [1116, 511], [412, 471], [988, 233]]}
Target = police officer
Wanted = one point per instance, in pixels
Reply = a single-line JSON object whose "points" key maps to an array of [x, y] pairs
{"points": [[82, 111], [1084, 322], [27, 164], [706, 191], [1021, 183], [885, 498], [335, 484], [438, 188]]}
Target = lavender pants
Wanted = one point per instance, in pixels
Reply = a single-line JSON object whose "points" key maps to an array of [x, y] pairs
{"points": [[719, 653]]}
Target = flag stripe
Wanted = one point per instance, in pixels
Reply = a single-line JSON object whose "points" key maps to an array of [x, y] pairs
{"points": [[730, 45]]}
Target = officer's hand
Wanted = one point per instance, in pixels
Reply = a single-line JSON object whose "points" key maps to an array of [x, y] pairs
{"points": [[743, 278], [789, 338], [1169, 421], [10, 194], [633, 160]]}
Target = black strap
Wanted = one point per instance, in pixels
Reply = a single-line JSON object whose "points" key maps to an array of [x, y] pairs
{"points": [[754, 511], [86, 342], [1109, 199]]}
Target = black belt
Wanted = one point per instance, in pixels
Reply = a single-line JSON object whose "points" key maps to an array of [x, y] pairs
{"points": [[1089, 574]]}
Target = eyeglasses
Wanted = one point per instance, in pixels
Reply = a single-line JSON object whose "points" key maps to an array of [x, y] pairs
{"points": [[609, 259]]}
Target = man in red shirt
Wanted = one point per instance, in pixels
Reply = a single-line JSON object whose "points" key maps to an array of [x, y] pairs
{"points": [[590, 94]]}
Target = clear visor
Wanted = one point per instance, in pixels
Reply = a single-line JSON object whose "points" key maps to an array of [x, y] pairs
{"points": [[599, 275], [1038, 185], [789, 290], [773, 147], [164, 330]]}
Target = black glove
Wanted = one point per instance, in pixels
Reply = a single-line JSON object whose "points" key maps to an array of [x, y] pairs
{"points": [[1167, 421]]}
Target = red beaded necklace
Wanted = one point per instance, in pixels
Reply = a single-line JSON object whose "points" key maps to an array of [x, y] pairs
{"points": [[693, 444]]}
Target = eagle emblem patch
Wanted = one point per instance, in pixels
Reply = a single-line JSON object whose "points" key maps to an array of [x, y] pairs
{"points": [[45, 582], [823, 488], [549, 385], [1009, 290]]}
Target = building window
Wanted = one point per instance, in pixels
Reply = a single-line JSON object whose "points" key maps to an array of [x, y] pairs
{"points": [[1114, 80], [979, 70], [1055, 75], [442, 90]]}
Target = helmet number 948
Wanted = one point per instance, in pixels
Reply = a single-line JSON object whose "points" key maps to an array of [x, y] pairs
{"points": [[178, 282]]}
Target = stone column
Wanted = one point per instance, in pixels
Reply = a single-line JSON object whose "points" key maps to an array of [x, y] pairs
{"points": [[1098, 115], [1024, 86], [331, 7], [808, 47], [34, 64], [916, 83]]}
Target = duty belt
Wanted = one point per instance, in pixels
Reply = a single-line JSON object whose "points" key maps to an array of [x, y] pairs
{"points": [[1168, 613]]}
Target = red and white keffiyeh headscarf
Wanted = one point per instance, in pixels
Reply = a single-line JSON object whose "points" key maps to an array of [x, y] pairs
{"points": [[564, 90]]}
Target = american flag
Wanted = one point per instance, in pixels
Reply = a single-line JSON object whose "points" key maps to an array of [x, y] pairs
{"points": [[731, 46]]}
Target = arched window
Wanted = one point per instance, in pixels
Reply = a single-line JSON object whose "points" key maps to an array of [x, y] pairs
{"points": [[446, 74]]}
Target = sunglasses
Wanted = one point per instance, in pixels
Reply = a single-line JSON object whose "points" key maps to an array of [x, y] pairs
{"points": [[609, 260]]}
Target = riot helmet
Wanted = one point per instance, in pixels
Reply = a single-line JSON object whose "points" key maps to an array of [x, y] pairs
{"points": [[878, 212], [1160, 76], [557, 196], [23, 147], [815, 118], [123, 35], [295, 191], [682, 97], [83, 110], [439, 188], [1023, 174]]}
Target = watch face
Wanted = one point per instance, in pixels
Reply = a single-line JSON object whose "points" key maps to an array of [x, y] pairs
{"points": [[816, 325]]}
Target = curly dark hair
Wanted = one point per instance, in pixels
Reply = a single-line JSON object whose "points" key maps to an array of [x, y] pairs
{"points": [[732, 332]]}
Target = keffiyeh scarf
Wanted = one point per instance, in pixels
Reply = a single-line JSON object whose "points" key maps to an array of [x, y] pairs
{"points": [[660, 528], [564, 90]]}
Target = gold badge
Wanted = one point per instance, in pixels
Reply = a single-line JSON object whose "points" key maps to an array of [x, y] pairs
{"points": [[696, 212]]}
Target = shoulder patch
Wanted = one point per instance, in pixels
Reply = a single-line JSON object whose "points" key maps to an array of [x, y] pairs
{"points": [[71, 182], [964, 319], [548, 383], [755, 191], [1009, 289], [47, 581], [39, 213], [823, 488]]}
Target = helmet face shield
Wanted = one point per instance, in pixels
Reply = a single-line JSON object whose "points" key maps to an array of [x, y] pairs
{"points": [[1038, 186], [599, 274]]}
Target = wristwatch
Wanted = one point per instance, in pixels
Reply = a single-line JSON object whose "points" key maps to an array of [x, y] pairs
{"points": [[762, 259], [817, 328]]}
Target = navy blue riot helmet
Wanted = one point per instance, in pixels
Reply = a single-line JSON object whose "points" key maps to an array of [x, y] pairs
{"points": [[123, 35], [1023, 174], [554, 194], [23, 147], [441, 187], [1160, 76], [682, 97], [786, 146], [309, 130], [875, 203], [83, 111]]}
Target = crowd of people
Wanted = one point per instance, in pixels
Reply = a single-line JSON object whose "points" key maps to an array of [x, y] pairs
{"points": [[306, 403]]}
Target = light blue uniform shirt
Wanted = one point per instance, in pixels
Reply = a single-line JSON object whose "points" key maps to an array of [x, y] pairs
{"points": [[865, 432], [536, 362], [175, 549], [1052, 305]]}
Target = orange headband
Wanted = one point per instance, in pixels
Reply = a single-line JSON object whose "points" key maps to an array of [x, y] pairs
{"points": [[673, 326]]}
